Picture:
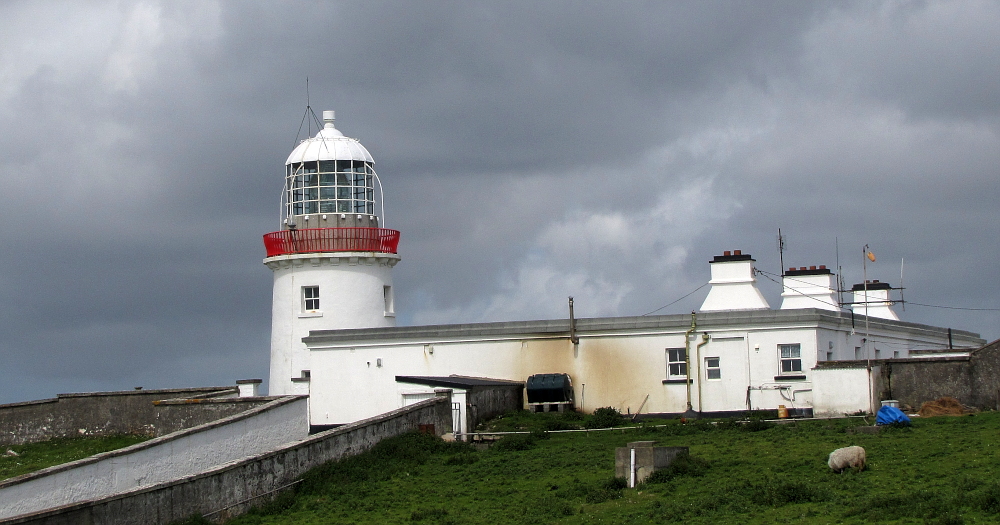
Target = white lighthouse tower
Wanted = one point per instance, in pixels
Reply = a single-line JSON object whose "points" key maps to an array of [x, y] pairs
{"points": [[332, 261]]}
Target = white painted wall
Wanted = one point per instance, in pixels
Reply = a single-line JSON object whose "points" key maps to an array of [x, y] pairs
{"points": [[167, 458], [614, 370], [840, 391], [352, 295]]}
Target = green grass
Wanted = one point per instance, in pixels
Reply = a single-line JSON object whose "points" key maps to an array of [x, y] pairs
{"points": [[942, 471], [36, 456]]}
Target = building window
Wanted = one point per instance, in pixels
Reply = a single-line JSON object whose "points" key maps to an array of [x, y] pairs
{"points": [[712, 370], [676, 364], [791, 358], [857, 352], [895, 354], [310, 298], [829, 356]]}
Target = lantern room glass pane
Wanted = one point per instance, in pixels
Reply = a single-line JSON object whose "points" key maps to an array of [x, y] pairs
{"points": [[343, 180], [311, 207], [327, 206], [327, 193], [343, 192], [344, 206], [327, 179], [327, 166], [309, 167]]}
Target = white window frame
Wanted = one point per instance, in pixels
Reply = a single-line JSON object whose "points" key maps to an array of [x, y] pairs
{"points": [[792, 360], [675, 364], [310, 298], [713, 369]]}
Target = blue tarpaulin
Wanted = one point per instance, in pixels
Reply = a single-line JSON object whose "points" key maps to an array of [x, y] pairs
{"points": [[888, 415]]}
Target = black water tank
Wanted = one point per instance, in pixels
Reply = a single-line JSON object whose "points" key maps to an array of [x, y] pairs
{"points": [[549, 388]]}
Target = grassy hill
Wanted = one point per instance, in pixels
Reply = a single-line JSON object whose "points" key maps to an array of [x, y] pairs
{"points": [[944, 470]]}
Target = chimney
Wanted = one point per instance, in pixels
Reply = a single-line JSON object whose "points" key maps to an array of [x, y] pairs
{"points": [[811, 287], [734, 286], [878, 302]]}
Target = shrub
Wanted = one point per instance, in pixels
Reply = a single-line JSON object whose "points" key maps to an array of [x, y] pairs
{"points": [[605, 417], [756, 425], [607, 490], [686, 465], [515, 442]]}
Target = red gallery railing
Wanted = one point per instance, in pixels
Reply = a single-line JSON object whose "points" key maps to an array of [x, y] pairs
{"points": [[314, 240]]}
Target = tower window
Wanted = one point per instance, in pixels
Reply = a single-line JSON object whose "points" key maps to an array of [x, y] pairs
{"points": [[310, 298], [389, 307]]}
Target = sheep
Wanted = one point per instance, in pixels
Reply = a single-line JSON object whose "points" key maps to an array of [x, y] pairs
{"points": [[847, 457]]}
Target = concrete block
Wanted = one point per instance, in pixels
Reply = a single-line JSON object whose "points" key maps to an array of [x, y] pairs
{"points": [[648, 459]]}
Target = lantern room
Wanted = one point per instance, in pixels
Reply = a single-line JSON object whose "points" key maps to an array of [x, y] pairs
{"points": [[330, 182]]}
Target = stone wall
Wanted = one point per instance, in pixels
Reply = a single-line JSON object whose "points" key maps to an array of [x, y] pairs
{"points": [[168, 458], [914, 381], [145, 412], [230, 490], [491, 401], [973, 379]]}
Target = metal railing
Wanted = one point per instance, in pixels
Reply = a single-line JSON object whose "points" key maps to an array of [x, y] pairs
{"points": [[318, 240]]}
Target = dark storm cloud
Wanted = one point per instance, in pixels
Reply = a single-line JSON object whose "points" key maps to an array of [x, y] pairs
{"points": [[528, 151]]}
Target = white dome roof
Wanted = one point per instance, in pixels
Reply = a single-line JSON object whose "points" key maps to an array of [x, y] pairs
{"points": [[329, 144]]}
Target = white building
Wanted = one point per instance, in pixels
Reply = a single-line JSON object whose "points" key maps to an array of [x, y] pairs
{"points": [[735, 354]]}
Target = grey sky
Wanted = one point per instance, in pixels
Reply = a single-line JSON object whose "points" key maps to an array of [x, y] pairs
{"points": [[528, 151]]}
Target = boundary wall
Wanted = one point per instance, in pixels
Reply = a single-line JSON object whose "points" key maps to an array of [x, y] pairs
{"points": [[174, 456], [973, 379], [232, 489], [144, 412]]}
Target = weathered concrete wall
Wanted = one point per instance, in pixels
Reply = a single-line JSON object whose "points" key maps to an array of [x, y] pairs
{"points": [[175, 456], [129, 412], [230, 490], [489, 402]]}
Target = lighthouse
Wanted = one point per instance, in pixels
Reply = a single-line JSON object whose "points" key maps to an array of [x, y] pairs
{"points": [[331, 260]]}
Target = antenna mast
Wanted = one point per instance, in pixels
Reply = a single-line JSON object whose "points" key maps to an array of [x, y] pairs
{"points": [[781, 253], [902, 301]]}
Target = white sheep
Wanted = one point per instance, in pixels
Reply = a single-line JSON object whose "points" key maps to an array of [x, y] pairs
{"points": [[847, 457]]}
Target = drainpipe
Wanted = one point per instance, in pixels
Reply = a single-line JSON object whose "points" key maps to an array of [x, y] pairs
{"points": [[704, 341], [687, 357], [572, 325]]}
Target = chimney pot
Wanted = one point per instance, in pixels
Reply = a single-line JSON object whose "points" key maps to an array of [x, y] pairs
{"points": [[727, 253], [738, 252], [802, 267], [792, 269], [822, 267], [812, 267]]}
